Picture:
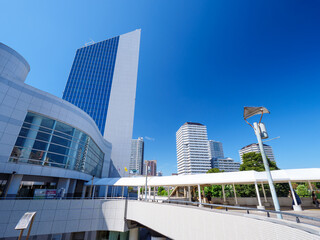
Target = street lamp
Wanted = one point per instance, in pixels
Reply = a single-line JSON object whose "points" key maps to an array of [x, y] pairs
{"points": [[261, 133], [145, 190]]}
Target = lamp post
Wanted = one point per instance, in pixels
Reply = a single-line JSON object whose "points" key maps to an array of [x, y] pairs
{"points": [[146, 187], [260, 132]]}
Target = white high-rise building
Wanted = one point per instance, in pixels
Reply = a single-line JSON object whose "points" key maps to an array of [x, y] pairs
{"points": [[225, 164], [215, 149], [254, 147], [136, 160], [192, 149], [102, 82]]}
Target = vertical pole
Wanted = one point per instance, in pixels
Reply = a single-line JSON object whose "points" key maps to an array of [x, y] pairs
{"points": [[264, 193], [84, 190], [145, 189], [266, 166], [21, 232], [168, 193], [29, 230], [224, 194], [90, 193], [138, 192], [258, 194], [122, 192], [311, 188], [199, 196], [184, 192], [149, 193], [293, 195], [93, 192], [154, 193], [189, 193], [235, 194], [106, 194]]}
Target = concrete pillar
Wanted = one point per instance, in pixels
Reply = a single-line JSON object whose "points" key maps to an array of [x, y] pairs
{"points": [[63, 186], [72, 187], [296, 207], [224, 194], [258, 196], [122, 192], [139, 193], [199, 196], [184, 192], [168, 193], [149, 193], [106, 193], [235, 194], [94, 191], [84, 189], [134, 234], [189, 193], [13, 186], [154, 193]]}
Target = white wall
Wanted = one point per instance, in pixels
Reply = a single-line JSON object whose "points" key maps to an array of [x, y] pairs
{"points": [[119, 123], [185, 222], [63, 216]]}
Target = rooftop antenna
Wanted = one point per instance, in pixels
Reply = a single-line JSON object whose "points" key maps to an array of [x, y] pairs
{"points": [[89, 43]]}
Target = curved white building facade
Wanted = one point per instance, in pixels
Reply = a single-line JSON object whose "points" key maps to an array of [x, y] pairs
{"points": [[44, 140]]}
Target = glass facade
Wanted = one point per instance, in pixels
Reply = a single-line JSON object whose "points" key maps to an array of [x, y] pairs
{"points": [[47, 142], [90, 79]]}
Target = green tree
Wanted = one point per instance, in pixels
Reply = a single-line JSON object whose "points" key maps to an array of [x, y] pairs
{"points": [[302, 190], [254, 161], [162, 191], [213, 190], [215, 170]]}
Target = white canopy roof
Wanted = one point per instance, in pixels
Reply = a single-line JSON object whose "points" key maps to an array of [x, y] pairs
{"points": [[243, 177]]}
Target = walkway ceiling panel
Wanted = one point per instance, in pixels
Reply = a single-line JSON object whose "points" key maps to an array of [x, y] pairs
{"points": [[243, 177]]}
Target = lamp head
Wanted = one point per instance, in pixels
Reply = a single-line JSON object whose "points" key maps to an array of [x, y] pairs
{"points": [[251, 111]]}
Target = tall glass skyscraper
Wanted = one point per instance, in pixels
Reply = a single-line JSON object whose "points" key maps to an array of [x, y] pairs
{"points": [[90, 79], [102, 82]]}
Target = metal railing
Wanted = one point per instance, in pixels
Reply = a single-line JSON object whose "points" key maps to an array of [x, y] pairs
{"points": [[226, 208]]}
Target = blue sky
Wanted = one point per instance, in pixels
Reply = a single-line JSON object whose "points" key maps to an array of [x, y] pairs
{"points": [[200, 61]]}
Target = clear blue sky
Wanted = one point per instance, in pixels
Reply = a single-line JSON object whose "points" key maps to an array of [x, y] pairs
{"points": [[200, 61]]}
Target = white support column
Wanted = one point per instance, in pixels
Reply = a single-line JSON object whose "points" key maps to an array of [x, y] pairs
{"points": [[139, 193], [149, 193], [224, 194], [235, 194], [122, 192], [199, 196], [134, 234], [106, 193], [189, 193], [258, 196], [296, 207], [264, 193], [184, 192], [168, 193], [310, 185], [154, 193], [93, 191], [84, 189]]}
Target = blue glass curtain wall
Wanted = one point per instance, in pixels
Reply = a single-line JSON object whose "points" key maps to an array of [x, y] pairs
{"points": [[89, 83], [47, 142]]}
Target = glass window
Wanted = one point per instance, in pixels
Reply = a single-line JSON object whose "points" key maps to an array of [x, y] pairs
{"points": [[48, 142]]}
